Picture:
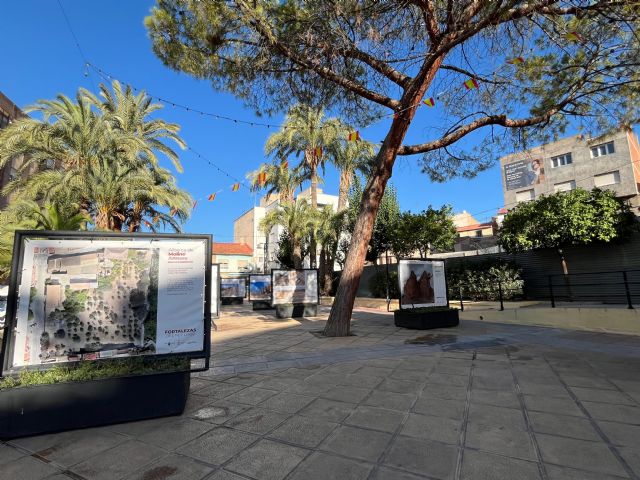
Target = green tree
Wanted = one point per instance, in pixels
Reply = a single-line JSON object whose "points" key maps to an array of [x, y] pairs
{"points": [[327, 228], [363, 57], [349, 157], [577, 217], [279, 179], [431, 229], [297, 220], [50, 216]]}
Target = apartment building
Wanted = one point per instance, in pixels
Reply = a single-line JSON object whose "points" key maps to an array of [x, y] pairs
{"points": [[610, 161], [9, 112]]}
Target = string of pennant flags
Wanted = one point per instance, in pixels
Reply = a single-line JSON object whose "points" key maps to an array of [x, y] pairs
{"points": [[471, 83]]}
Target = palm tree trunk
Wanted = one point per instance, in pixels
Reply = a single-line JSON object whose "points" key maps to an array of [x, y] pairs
{"points": [[313, 246], [343, 192], [328, 273], [297, 255], [322, 267]]}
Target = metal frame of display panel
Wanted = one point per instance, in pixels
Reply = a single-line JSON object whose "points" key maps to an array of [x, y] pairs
{"points": [[218, 298], [274, 270], [446, 280], [16, 278], [239, 277], [249, 287]]}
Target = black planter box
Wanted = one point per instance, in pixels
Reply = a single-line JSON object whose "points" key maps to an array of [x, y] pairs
{"points": [[262, 305], [296, 311], [231, 301], [55, 407], [424, 320]]}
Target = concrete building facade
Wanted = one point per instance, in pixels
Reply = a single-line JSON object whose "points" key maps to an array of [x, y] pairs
{"points": [[610, 161], [233, 257], [9, 112]]}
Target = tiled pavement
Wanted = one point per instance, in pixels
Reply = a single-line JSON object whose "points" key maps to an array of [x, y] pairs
{"points": [[482, 401]]}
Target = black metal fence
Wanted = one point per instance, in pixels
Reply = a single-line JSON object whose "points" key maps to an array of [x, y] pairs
{"points": [[617, 286]]}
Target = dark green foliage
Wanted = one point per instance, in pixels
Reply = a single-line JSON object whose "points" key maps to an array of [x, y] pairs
{"points": [[431, 229], [378, 284], [479, 280], [285, 251], [74, 300], [44, 340], [577, 217]]}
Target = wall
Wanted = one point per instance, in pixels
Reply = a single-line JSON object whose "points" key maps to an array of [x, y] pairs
{"points": [[235, 262]]}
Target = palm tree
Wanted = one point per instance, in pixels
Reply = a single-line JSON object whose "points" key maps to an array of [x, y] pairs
{"points": [[349, 157], [279, 179], [50, 216], [305, 129], [327, 227], [297, 219]]}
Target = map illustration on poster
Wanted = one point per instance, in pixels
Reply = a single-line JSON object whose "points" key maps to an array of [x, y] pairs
{"points": [[422, 283], [89, 298], [233, 287], [523, 173], [295, 287], [260, 288]]}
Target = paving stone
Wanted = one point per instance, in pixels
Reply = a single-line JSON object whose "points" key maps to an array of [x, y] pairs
{"points": [[375, 418], [544, 389], [423, 457], [357, 443], [305, 431], [505, 398], [287, 402], [219, 411], [446, 369], [219, 390], [502, 383], [267, 460], [591, 381], [439, 407], [218, 445], [614, 413], [172, 467], [257, 420], [428, 427], [449, 380], [26, 468], [496, 416], [601, 395], [364, 381], [9, 454], [172, 435], [563, 425], [276, 383], [322, 466], [330, 410], [119, 461], [390, 400], [385, 473], [570, 452], [411, 375], [511, 442], [247, 379], [631, 455], [379, 372], [555, 472], [445, 391], [561, 406], [251, 395], [225, 475], [486, 466], [399, 386], [346, 394], [620, 433]]}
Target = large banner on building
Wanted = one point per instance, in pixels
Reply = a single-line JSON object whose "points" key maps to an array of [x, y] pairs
{"points": [[85, 297], [422, 283], [295, 287], [260, 288], [233, 287], [523, 173]]}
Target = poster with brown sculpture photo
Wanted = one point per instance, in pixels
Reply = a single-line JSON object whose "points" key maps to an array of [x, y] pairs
{"points": [[422, 283]]}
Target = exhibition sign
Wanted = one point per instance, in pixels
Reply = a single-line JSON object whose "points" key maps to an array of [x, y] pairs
{"points": [[79, 296], [295, 287], [422, 283], [523, 173], [260, 288], [215, 290], [233, 287]]}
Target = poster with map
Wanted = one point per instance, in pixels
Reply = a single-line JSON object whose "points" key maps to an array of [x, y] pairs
{"points": [[295, 287], [89, 298], [422, 283]]}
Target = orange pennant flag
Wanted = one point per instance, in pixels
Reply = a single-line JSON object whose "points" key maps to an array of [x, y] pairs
{"points": [[194, 205], [212, 197], [173, 211], [235, 187], [284, 164], [262, 178], [429, 102], [353, 136], [155, 220], [471, 84], [317, 152], [147, 224], [573, 37], [516, 60]]}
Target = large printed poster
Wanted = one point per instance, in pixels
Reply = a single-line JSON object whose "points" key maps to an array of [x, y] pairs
{"points": [[260, 288], [295, 286], [523, 173], [84, 299], [233, 287], [422, 283]]}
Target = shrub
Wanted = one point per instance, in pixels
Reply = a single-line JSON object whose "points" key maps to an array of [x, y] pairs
{"points": [[378, 285], [479, 281]]}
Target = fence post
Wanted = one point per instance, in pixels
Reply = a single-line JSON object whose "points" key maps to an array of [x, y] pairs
{"points": [[500, 295], [461, 304], [553, 301], [626, 288]]}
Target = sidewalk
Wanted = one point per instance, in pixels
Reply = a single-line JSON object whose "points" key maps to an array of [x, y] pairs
{"points": [[481, 401]]}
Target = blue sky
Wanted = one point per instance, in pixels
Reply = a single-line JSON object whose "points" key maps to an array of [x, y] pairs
{"points": [[40, 60]]}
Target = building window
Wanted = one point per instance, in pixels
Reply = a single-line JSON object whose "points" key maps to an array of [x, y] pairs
{"points": [[610, 178], [224, 265], [561, 160], [4, 120], [478, 233], [525, 195], [564, 186], [242, 264], [602, 149]]}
